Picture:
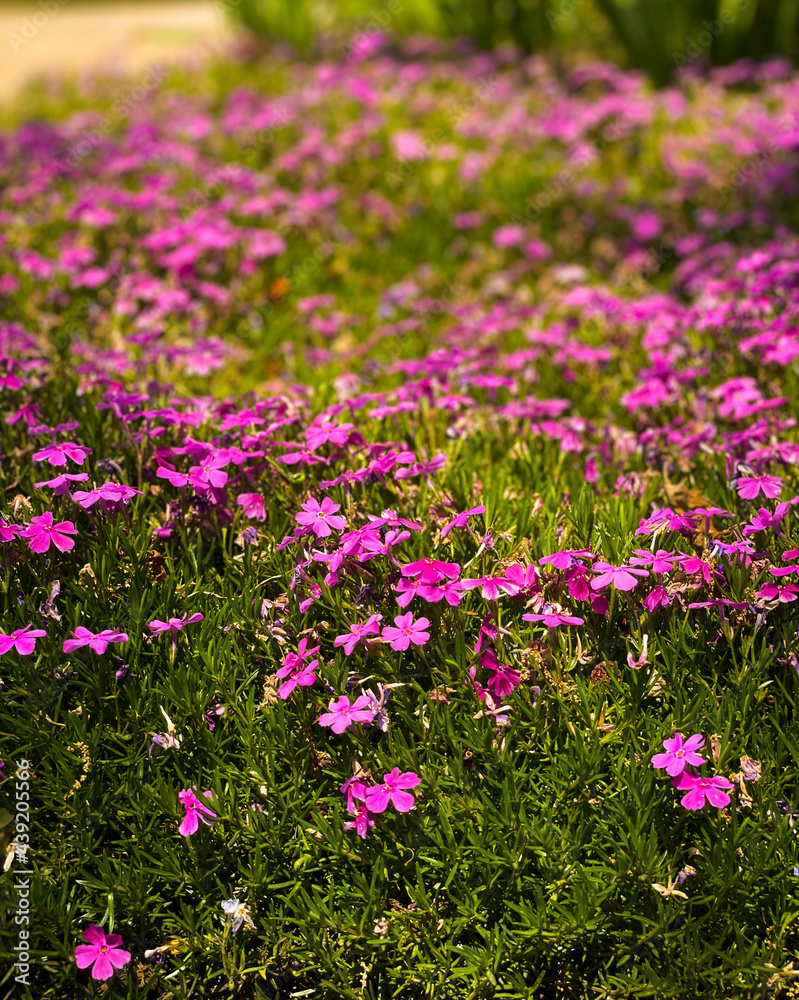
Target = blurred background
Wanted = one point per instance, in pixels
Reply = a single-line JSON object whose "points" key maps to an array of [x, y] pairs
{"points": [[658, 36]]}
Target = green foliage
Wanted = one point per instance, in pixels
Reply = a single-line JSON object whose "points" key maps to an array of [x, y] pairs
{"points": [[660, 36]]}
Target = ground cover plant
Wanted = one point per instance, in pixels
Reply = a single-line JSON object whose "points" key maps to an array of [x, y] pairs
{"points": [[399, 531]]}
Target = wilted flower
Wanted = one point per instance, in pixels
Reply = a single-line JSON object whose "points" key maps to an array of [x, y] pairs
{"points": [[237, 914]]}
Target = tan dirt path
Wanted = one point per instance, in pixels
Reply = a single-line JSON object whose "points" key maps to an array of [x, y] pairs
{"points": [[68, 36]]}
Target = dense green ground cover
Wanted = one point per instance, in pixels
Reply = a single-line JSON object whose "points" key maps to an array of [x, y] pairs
{"points": [[412, 285]]}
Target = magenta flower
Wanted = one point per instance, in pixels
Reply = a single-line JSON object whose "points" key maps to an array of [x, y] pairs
{"points": [[103, 951], [253, 505], [657, 598], [393, 792], [23, 640], [8, 531], [175, 478], [700, 790], [324, 432], [41, 532], [174, 625], [408, 588], [357, 633], [430, 571], [492, 587], [784, 594], [461, 520], [210, 472], [679, 754], [342, 714], [320, 518], [60, 484], [565, 559], [765, 519], [407, 631], [552, 620], [112, 495], [98, 642], [504, 679], [750, 487], [299, 674], [449, 590], [523, 577], [660, 562], [195, 811], [622, 577], [362, 823], [57, 454]]}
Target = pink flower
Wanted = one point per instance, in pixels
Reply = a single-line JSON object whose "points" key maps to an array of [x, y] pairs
{"points": [[299, 673], [42, 532], [765, 519], [431, 570], [319, 434], [362, 823], [98, 642], [9, 531], [504, 679], [678, 754], [785, 594], [357, 633], [342, 714], [408, 589], [750, 486], [23, 640], [320, 517], [210, 472], [656, 598], [104, 951], [449, 590], [112, 496], [702, 790], [622, 577], [552, 620], [392, 792], [522, 577], [178, 479], [195, 811], [253, 505], [661, 562], [407, 631], [57, 454], [174, 625], [461, 520], [492, 586], [60, 484], [565, 559]]}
